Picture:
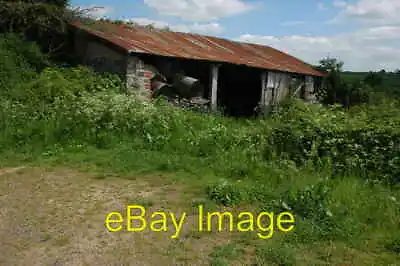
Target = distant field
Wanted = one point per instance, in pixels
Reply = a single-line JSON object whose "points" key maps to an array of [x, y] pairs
{"points": [[391, 81]]}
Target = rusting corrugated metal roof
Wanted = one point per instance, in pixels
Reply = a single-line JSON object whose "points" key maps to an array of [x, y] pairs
{"points": [[194, 46]]}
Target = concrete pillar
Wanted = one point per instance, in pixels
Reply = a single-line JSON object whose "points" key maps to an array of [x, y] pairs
{"points": [[214, 86]]}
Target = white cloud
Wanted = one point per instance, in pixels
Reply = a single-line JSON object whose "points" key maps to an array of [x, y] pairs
{"points": [[381, 12], [366, 49], [321, 6], [199, 10], [292, 23], [96, 11], [209, 28], [201, 28], [339, 3]]}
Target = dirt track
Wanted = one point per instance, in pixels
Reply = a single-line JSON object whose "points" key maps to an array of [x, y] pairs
{"points": [[56, 217]]}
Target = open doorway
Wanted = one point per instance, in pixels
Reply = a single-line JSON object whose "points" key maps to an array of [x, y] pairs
{"points": [[239, 90]]}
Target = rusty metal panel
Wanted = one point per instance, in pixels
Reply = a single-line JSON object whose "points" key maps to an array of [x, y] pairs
{"points": [[193, 46]]}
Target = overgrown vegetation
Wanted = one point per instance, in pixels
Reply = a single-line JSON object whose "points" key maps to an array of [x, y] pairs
{"points": [[45, 22], [352, 88], [338, 171]]}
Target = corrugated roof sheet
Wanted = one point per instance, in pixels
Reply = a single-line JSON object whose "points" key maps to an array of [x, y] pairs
{"points": [[193, 46]]}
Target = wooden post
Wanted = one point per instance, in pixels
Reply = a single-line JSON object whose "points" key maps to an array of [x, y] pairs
{"points": [[271, 86], [263, 88], [214, 86], [309, 90]]}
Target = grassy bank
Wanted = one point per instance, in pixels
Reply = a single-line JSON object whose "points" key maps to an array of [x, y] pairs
{"points": [[337, 172]]}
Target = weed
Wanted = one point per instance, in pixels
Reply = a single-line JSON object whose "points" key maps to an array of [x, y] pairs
{"points": [[225, 193], [61, 240], [281, 255], [222, 254], [393, 245], [311, 202], [142, 202]]}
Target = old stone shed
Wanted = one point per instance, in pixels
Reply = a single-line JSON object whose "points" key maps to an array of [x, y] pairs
{"points": [[236, 76]]}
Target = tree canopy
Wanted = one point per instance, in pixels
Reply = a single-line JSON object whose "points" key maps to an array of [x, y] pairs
{"points": [[336, 90]]}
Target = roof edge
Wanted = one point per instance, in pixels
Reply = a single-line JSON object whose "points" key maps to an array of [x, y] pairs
{"points": [[82, 26]]}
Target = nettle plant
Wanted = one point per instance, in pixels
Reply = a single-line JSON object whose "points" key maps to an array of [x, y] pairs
{"points": [[363, 145], [311, 202], [225, 193]]}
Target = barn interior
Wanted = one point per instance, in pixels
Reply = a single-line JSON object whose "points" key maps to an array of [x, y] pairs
{"points": [[239, 87]]}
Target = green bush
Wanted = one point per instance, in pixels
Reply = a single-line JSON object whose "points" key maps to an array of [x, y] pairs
{"points": [[20, 62], [367, 146], [225, 193], [311, 202]]}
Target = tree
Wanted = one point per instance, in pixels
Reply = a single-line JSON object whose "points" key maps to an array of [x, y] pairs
{"points": [[21, 16], [166, 28], [151, 26], [330, 64], [59, 3], [43, 21], [373, 79], [335, 90], [332, 86]]}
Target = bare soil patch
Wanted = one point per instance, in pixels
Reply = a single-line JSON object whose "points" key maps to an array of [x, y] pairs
{"points": [[56, 217]]}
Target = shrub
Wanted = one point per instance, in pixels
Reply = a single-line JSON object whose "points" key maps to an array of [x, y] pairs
{"points": [[311, 202], [225, 193], [368, 146]]}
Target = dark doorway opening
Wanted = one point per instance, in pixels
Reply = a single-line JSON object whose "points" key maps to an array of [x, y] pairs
{"points": [[169, 67], [199, 70], [239, 90]]}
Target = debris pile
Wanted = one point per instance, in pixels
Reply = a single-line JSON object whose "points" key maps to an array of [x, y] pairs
{"points": [[186, 92]]}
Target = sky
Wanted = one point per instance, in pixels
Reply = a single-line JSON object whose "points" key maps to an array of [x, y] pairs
{"points": [[364, 34]]}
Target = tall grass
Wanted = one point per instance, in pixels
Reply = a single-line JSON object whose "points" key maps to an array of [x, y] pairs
{"points": [[336, 170]]}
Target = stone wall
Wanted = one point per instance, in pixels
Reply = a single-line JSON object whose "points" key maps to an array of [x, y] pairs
{"points": [[98, 55], [138, 76], [104, 58]]}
